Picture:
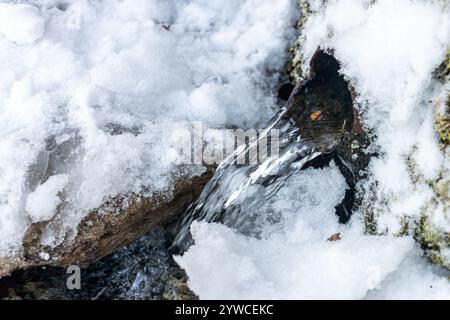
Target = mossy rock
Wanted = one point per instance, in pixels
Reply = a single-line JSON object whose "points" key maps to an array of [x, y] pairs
{"points": [[297, 73], [434, 241], [442, 106], [431, 234]]}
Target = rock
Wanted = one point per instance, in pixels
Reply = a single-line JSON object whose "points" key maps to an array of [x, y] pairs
{"points": [[178, 289], [116, 223], [433, 235], [144, 269], [431, 228], [322, 104], [323, 109]]}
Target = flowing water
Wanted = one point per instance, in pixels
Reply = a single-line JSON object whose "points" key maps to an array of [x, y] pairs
{"points": [[236, 191], [311, 123]]}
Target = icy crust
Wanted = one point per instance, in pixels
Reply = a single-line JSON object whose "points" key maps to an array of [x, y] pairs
{"points": [[92, 95], [389, 58]]}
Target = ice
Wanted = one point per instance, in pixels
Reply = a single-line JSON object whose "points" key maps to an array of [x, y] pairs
{"points": [[94, 91]]}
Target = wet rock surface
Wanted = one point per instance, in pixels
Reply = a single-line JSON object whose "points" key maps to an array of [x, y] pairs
{"points": [[141, 270], [322, 105], [316, 127], [107, 228]]}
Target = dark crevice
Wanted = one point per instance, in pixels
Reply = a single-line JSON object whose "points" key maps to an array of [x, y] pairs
{"points": [[285, 91], [344, 209], [322, 105], [322, 108]]}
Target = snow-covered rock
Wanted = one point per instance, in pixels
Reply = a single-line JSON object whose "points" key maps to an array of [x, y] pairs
{"points": [[93, 95], [391, 60]]}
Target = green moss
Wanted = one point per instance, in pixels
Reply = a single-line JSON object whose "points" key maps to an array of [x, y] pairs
{"points": [[371, 208], [442, 125], [442, 189], [442, 108], [297, 73], [405, 227], [437, 260], [433, 241], [443, 71]]}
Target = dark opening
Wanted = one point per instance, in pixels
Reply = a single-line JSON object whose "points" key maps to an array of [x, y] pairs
{"points": [[285, 91], [322, 108], [322, 105]]}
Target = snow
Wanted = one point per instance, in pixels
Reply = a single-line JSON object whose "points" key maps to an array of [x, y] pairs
{"points": [[44, 255], [95, 91], [41, 203], [21, 23], [414, 279]]}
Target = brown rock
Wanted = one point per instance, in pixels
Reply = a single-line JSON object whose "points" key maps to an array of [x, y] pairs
{"points": [[322, 104], [108, 228]]}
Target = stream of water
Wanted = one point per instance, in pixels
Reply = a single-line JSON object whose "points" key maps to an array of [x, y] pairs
{"points": [[235, 192], [312, 122]]}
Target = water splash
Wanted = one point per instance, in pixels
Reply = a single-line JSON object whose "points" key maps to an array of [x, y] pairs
{"points": [[315, 118], [235, 191]]}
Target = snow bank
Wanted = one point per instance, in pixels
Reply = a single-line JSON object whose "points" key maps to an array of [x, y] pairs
{"points": [[414, 279], [389, 50], [92, 92], [294, 260]]}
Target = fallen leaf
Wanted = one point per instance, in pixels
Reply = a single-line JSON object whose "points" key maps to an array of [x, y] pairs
{"points": [[335, 237], [316, 115]]}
